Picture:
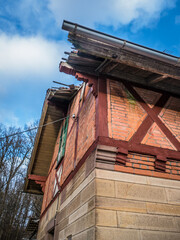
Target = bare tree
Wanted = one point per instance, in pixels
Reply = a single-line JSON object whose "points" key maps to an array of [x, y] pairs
{"points": [[15, 206]]}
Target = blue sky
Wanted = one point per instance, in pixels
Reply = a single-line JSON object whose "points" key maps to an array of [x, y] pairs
{"points": [[32, 43]]}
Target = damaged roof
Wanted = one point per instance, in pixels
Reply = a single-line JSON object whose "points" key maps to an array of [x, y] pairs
{"points": [[97, 53]]}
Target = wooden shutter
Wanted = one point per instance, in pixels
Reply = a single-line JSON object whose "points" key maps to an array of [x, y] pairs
{"points": [[62, 143]]}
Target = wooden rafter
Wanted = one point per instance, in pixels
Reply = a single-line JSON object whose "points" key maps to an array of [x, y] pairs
{"points": [[103, 64], [123, 56], [110, 67], [154, 78]]}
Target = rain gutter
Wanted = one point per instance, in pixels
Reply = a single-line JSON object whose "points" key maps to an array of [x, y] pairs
{"points": [[120, 43]]}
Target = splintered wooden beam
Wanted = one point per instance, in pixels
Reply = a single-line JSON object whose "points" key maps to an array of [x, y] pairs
{"points": [[154, 78], [103, 50]]}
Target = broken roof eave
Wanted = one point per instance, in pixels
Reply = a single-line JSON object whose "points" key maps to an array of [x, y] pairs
{"points": [[101, 54], [120, 43]]}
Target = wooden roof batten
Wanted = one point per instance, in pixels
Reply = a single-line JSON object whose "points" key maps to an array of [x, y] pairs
{"points": [[54, 109], [101, 54]]}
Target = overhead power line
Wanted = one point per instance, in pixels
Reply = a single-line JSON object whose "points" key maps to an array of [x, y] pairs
{"points": [[30, 129]]}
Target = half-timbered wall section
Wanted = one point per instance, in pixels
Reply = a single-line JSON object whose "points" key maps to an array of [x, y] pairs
{"points": [[146, 124], [120, 171], [114, 170], [80, 136]]}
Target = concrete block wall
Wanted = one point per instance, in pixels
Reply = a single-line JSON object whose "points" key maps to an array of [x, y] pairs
{"points": [[114, 205], [73, 211], [136, 207]]}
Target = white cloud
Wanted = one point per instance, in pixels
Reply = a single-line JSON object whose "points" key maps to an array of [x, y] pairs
{"points": [[28, 65], [29, 56], [27, 17], [110, 13]]}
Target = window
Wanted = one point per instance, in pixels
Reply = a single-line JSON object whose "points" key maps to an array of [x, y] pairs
{"points": [[50, 234], [62, 143]]}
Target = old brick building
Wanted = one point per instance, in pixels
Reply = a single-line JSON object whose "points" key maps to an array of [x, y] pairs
{"points": [[111, 168]]}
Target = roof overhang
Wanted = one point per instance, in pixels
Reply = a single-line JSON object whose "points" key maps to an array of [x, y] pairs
{"points": [[101, 54], [54, 109]]}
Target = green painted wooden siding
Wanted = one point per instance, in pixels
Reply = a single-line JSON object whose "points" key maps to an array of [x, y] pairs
{"points": [[62, 143]]}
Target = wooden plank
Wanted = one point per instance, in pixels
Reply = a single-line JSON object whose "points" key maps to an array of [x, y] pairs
{"points": [[75, 59], [171, 87], [111, 66], [154, 78], [30, 167], [129, 58], [102, 65], [127, 76]]}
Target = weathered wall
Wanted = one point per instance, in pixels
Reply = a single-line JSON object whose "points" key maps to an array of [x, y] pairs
{"points": [[132, 198], [81, 131], [143, 164], [114, 205], [73, 212], [149, 122], [49, 188], [126, 114], [86, 130], [136, 207], [128, 120], [80, 136]]}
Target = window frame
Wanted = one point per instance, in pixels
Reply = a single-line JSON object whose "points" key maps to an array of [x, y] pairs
{"points": [[62, 142]]}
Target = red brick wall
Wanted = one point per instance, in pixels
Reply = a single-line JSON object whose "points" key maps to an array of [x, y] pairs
{"points": [[125, 115], [170, 115], [145, 165], [155, 137], [73, 109], [146, 162], [85, 134], [68, 164], [69, 158]]}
